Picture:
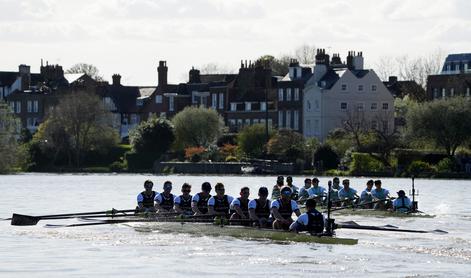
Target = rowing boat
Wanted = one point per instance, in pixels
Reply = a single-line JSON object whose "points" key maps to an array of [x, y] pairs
{"points": [[381, 213], [209, 229]]}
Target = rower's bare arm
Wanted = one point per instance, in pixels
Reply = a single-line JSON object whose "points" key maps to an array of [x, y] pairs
{"points": [[240, 212], [252, 214], [194, 207], [276, 214]]}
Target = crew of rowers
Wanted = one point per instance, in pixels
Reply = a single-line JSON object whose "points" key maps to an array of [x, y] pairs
{"points": [[262, 211]]}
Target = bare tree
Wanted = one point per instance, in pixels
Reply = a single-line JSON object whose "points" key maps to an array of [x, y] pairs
{"points": [[89, 69], [418, 69], [213, 68], [305, 54], [386, 67]]}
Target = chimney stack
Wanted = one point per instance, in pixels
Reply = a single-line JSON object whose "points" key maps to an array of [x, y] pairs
{"points": [[25, 75], [162, 73], [116, 79], [194, 76]]}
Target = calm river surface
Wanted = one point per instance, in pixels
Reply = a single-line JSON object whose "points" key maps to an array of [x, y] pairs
{"points": [[120, 251]]}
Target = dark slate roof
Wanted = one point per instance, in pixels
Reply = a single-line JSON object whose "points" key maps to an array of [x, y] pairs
{"points": [[7, 78], [457, 59], [360, 73], [330, 78], [208, 78]]}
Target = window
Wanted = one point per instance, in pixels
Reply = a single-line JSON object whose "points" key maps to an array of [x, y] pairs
{"points": [[296, 119], [316, 103], [262, 121], [360, 88], [374, 124], [12, 106], [280, 118], [18, 107], [221, 100], [468, 93], [452, 92], [288, 119], [233, 106], [214, 101], [288, 94], [373, 88], [435, 93], [316, 126], [270, 122], [280, 94], [443, 93], [29, 106], [239, 123], [255, 121], [171, 103], [248, 106], [263, 106], [232, 122], [343, 106], [247, 121], [374, 106], [296, 94], [385, 126], [385, 106], [344, 87], [158, 99], [360, 106]]}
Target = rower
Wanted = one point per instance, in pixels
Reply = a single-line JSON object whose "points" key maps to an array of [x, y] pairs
{"points": [[304, 191], [164, 201], [402, 203], [183, 202], [259, 209], [347, 195], [283, 208], [381, 195], [145, 199], [294, 188], [199, 202], [316, 192], [312, 220], [275, 194], [219, 204], [240, 205], [366, 197], [334, 192]]}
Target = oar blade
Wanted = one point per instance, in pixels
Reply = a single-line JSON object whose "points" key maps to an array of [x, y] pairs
{"points": [[24, 220]]}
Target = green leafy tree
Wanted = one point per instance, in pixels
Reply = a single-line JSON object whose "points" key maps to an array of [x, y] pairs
{"points": [[154, 136], [252, 140], [197, 127], [76, 125], [445, 122], [8, 143], [286, 145]]}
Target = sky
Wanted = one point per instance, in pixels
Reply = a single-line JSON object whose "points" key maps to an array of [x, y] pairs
{"points": [[129, 37]]}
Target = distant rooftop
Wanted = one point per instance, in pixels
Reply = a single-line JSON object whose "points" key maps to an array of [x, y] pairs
{"points": [[457, 63]]}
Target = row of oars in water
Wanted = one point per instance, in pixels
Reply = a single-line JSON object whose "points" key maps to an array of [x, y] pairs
{"points": [[29, 220]]}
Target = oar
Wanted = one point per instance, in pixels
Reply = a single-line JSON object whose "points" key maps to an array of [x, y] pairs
{"points": [[357, 205], [29, 220], [376, 228]]}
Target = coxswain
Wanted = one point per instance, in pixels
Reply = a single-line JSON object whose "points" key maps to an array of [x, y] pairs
{"points": [[312, 220], [283, 208], [275, 193], [199, 202], [219, 204], [183, 202], [240, 206], [259, 209], [402, 202], [294, 188], [316, 192], [347, 195], [145, 199], [164, 201], [366, 197], [381, 195], [304, 191]]}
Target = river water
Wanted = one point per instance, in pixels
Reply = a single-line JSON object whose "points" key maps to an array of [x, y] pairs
{"points": [[121, 251]]}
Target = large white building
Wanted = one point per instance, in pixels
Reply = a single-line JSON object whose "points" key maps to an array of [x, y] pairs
{"points": [[338, 94]]}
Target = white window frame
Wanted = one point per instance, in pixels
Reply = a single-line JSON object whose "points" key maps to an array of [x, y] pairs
{"points": [[280, 118], [232, 122], [346, 106], [247, 122], [214, 101], [443, 93], [221, 100], [158, 99], [171, 103], [29, 106], [233, 106], [296, 94], [452, 92], [248, 106], [263, 106], [280, 94], [18, 107], [288, 94]]}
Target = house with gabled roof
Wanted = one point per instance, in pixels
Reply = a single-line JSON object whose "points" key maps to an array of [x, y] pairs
{"points": [[338, 94]]}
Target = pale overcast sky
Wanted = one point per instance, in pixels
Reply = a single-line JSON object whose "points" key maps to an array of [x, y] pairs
{"points": [[129, 37]]}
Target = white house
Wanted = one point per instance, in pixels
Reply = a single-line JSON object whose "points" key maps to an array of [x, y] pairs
{"points": [[339, 94]]}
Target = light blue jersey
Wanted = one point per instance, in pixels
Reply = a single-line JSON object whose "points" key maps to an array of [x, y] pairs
{"points": [[347, 194], [402, 204], [365, 196], [316, 191], [380, 194]]}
